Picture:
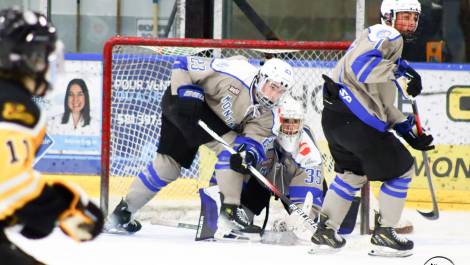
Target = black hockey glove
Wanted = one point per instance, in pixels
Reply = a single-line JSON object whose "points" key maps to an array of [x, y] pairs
{"points": [[413, 79], [190, 102], [406, 130], [414, 86], [82, 220], [240, 161]]}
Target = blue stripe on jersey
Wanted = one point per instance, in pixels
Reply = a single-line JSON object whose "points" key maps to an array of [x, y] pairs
{"points": [[369, 69], [147, 183], [392, 193], [363, 60], [378, 44], [301, 191], [155, 176], [355, 106], [222, 166], [298, 193], [181, 62]]}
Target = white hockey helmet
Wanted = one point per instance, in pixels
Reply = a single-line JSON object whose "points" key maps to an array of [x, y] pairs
{"points": [[390, 8], [291, 124], [280, 74]]}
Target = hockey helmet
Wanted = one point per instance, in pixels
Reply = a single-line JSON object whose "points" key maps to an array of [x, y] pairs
{"points": [[390, 8], [27, 41], [291, 123], [277, 74]]}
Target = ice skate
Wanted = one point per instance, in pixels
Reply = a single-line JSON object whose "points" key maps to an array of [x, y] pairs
{"points": [[121, 221], [234, 224], [326, 239], [387, 243]]}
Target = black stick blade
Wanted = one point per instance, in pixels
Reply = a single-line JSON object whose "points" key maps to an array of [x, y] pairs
{"points": [[433, 215]]}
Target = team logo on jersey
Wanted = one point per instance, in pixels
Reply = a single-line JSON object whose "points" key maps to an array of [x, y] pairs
{"points": [[17, 111], [304, 149], [382, 34], [234, 90]]}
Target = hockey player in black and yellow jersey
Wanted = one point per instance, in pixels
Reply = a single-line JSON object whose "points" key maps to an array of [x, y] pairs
{"points": [[27, 43]]}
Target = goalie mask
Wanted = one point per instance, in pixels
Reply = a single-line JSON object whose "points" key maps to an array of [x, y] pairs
{"points": [[274, 79], [27, 44], [405, 23], [291, 123]]}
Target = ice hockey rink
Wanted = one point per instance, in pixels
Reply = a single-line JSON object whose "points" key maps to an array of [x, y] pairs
{"points": [[449, 237]]}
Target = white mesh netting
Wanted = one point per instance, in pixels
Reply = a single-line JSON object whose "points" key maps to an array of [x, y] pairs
{"points": [[140, 75]]}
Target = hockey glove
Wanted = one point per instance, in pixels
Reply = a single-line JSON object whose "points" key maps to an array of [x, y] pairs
{"points": [[83, 220], [190, 100], [407, 130], [240, 161], [408, 80]]}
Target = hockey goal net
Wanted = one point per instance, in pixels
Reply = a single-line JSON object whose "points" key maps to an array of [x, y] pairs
{"points": [[136, 73]]}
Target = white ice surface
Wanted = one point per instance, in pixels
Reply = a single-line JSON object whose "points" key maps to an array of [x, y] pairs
{"points": [[449, 236]]}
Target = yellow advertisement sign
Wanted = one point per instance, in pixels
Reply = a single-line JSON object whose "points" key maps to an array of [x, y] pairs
{"points": [[458, 103]]}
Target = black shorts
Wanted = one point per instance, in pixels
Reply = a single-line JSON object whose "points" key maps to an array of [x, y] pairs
{"points": [[180, 139], [361, 149]]}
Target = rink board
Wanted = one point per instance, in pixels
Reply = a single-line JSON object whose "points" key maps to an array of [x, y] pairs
{"points": [[449, 166]]}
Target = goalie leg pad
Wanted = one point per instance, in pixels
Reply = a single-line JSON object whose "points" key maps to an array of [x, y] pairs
{"points": [[210, 209]]}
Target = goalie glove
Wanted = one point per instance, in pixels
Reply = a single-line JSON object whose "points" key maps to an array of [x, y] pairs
{"points": [[83, 220], [407, 130]]}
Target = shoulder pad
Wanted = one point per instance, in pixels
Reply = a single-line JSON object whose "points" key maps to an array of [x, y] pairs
{"points": [[379, 32], [241, 70]]}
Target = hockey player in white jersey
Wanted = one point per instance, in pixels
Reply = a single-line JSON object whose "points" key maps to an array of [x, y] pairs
{"points": [[358, 113], [235, 99], [293, 164]]}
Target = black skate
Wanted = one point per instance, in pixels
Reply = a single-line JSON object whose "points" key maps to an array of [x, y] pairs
{"points": [[387, 243], [234, 224], [121, 221], [325, 238]]}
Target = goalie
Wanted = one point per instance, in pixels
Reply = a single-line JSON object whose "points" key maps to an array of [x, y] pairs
{"points": [[27, 43], [236, 100], [293, 165]]}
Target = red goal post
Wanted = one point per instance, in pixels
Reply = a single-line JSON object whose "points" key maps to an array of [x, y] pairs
{"points": [[137, 70]]}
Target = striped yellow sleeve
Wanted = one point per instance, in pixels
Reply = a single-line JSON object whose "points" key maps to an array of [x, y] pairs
{"points": [[19, 183]]}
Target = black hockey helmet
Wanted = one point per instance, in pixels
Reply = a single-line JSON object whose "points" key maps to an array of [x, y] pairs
{"points": [[27, 40]]}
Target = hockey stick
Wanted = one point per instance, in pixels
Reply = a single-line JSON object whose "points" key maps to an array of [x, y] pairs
{"points": [[262, 179], [434, 214]]}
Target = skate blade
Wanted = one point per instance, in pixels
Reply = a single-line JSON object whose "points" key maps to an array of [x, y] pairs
{"points": [[110, 228], [236, 236], [389, 252], [322, 249]]}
